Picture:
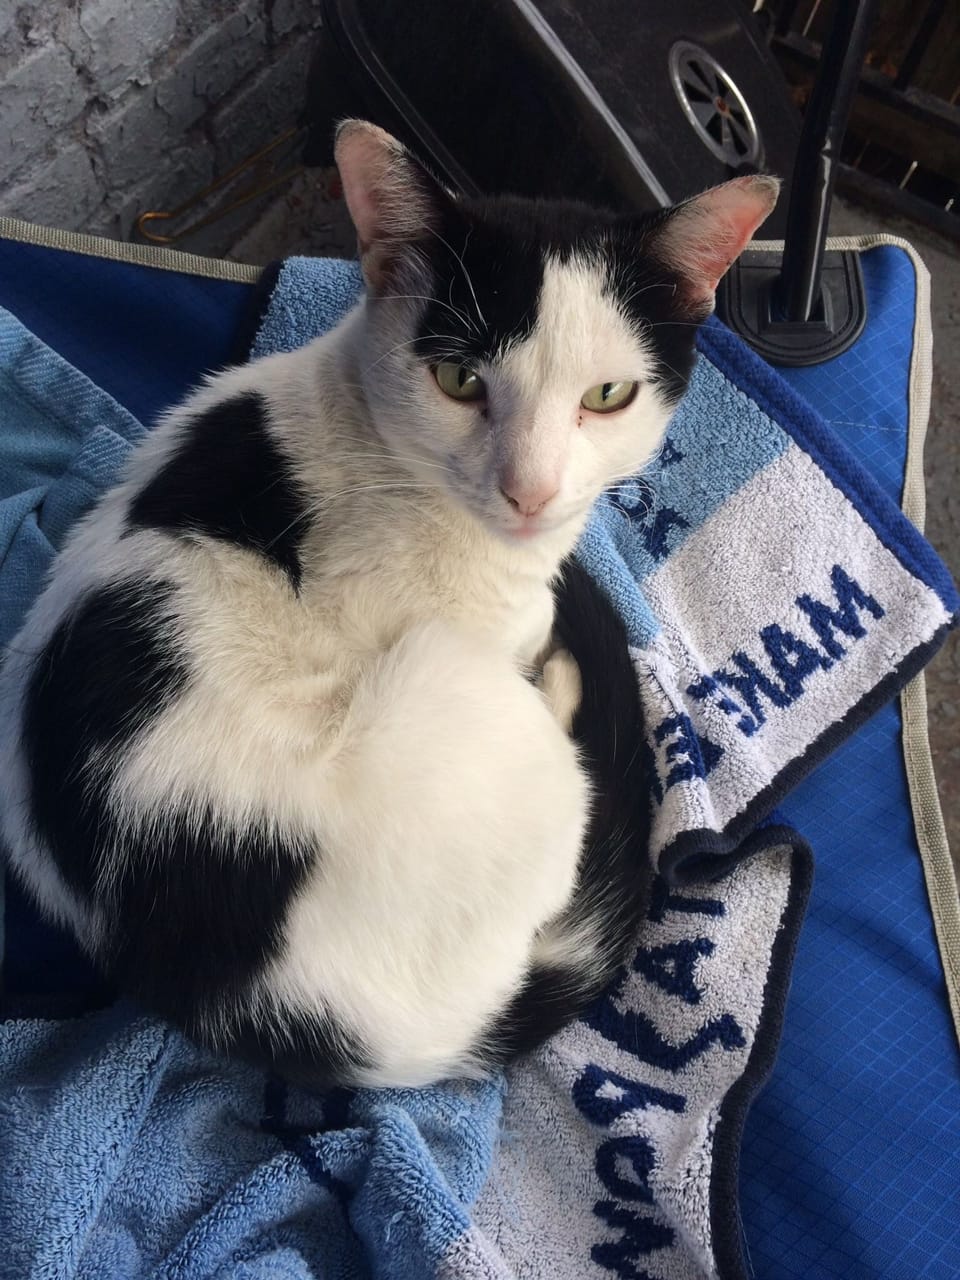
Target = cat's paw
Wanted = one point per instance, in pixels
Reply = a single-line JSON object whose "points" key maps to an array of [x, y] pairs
{"points": [[562, 687]]}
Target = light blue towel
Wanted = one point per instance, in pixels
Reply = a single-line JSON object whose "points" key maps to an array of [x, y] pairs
{"points": [[128, 1153], [62, 441], [772, 598]]}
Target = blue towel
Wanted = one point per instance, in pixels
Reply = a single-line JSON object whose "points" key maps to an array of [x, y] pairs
{"points": [[62, 440], [772, 597], [128, 1153]]}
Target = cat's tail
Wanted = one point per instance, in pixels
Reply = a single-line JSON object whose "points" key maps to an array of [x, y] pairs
{"points": [[578, 953]]}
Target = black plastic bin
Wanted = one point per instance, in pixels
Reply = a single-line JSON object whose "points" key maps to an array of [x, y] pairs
{"points": [[632, 105]]}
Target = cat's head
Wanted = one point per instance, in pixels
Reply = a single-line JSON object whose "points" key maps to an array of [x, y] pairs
{"points": [[520, 355]]}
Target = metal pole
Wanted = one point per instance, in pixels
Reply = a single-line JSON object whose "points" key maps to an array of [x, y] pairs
{"points": [[814, 172]]}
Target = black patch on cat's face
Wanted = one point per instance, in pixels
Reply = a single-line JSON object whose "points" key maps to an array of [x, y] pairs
{"points": [[651, 295], [194, 909], [488, 261], [229, 480]]}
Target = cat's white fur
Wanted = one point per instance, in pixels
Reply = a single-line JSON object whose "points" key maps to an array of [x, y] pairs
{"points": [[383, 715]]}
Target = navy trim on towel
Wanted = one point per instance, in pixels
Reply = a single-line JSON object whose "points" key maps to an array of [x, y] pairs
{"points": [[145, 336], [725, 1223], [696, 856], [299, 1139]]}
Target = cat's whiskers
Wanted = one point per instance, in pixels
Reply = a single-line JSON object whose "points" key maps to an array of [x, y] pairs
{"points": [[410, 342], [327, 499], [442, 354], [471, 326], [676, 373], [423, 297], [636, 291], [463, 268], [386, 456]]}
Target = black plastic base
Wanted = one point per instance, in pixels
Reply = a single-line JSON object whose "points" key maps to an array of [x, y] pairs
{"points": [[747, 303]]}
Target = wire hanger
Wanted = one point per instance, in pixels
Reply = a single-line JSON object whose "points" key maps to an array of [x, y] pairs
{"points": [[268, 159]]}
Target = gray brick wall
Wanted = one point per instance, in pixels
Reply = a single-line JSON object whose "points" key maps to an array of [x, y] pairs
{"points": [[111, 107]]}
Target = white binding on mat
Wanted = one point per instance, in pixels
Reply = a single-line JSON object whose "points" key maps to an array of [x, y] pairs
{"points": [[927, 816], [141, 255]]}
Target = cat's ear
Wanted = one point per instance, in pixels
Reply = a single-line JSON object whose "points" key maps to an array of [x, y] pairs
{"points": [[700, 239], [393, 201]]}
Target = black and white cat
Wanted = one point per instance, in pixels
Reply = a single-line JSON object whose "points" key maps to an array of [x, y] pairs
{"points": [[295, 739]]}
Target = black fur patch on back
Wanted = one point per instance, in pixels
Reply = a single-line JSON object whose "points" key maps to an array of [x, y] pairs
{"points": [[229, 480], [615, 872], [194, 908], [105, 672], [200, 910], [488, 260]]}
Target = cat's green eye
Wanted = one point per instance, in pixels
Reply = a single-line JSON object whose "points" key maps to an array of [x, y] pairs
{"points": [[609, 396], [458, 381]]}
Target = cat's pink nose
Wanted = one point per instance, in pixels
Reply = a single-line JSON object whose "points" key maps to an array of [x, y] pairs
{"points": [[527, 498]]}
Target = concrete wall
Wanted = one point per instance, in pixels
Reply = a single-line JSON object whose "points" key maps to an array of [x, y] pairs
{"points": [[111, 107]]}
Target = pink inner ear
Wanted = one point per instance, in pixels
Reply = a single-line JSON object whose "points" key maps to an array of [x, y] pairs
{"points": [[391, 199], [364, 157], [703, 237]]}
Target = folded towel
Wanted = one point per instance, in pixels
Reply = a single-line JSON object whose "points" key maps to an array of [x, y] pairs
{"points": [[772, 598]]}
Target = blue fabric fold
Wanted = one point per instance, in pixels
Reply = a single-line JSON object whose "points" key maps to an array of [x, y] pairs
{"points": [[63, 441], [310, 296]]}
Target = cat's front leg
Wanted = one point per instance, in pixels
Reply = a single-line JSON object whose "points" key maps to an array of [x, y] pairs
{"points": [[556, 674], [552, 668], [562, 686]]}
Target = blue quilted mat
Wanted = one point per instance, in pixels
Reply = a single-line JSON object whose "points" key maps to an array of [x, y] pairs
{"points": [[851, 1159], [143, 335]]}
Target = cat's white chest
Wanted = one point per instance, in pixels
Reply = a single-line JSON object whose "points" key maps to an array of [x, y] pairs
{"points": [[416, 572]]}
